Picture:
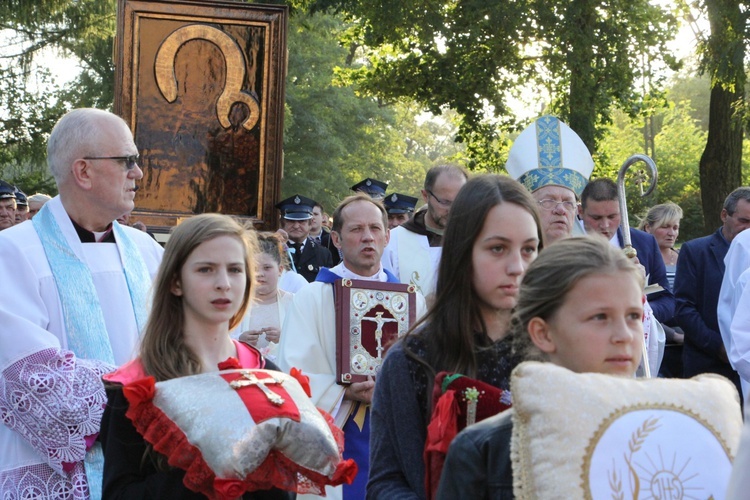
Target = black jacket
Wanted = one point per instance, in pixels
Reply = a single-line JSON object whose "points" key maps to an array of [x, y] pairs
{"points": [[478, 465], [312, 258], [327, 242]]}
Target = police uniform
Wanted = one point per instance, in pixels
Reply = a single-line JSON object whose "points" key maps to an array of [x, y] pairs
{"points": [[22, 206], [7, 192], [373, 187], [397, 203], [307, 257]]}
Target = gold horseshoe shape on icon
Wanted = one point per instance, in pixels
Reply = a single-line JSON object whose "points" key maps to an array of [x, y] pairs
{"points": [[235, 64]]}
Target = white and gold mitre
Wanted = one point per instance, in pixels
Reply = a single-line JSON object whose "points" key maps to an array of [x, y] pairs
{"points": [[549, 153]]}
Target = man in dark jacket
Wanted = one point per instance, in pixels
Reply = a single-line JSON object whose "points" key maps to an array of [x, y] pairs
{"points": [[600, 212], [697, 286], [307, 256]]}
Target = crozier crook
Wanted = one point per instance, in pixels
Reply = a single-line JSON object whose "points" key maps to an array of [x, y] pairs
{"points": [[624, 222], [233, 61], [625, 225]]}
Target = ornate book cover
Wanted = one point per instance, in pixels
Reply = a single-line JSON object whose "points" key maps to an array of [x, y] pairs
{"points": [[370, 316]]}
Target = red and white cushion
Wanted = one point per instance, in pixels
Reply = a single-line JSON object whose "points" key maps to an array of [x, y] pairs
{"points": [[240, 430]]}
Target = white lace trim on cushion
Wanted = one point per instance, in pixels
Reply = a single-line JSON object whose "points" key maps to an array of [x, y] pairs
{"points": [[54, 400]]}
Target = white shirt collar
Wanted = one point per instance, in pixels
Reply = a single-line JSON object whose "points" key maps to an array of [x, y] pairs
{"points": [[342, 271], [614, 240]]}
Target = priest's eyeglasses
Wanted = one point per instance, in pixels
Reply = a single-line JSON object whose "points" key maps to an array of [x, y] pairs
{"points": [[444, 203], [548, 204], [130, 161]]}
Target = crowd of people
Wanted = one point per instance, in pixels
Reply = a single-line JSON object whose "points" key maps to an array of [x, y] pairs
{"points": [[505, 270], [16, 207]]}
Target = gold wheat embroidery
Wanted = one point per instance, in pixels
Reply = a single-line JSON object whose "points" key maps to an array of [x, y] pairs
{"points": [[634, 445]]}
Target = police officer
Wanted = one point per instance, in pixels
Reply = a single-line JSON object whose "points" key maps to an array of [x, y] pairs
{"points": [[306, 255], [7, 205], [400, 207]]}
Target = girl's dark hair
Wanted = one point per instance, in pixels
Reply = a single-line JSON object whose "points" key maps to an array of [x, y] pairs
{"points": [[454, 318]]}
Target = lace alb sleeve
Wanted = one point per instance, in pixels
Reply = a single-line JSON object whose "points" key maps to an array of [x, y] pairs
{"points": [[55, 401]]}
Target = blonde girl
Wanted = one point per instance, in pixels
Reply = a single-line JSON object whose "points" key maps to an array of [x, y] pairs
{"points": [[261, 326]]}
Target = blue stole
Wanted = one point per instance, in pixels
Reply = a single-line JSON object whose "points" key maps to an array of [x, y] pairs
{"points": [[325, 275], [85, 327], [357, 426]]}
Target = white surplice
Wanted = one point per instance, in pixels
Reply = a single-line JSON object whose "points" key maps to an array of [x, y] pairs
{"points": [[412, 260], [735, 331], [33, 353]]}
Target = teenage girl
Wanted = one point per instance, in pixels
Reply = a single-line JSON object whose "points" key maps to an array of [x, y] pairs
{"points": [[580, 307], [493, 234], [201, 292]]}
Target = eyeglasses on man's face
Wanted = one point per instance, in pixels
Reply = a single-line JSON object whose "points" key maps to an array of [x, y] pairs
{"points": [[549, 204], [443, 203], [130, 161]]}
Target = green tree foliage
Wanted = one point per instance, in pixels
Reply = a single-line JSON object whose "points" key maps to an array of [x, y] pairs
{"points": [[335, 138], [695, 89], [470, 55], [24, 122], [83, 29], [596, 52], [679, 143], [721, 162], [80, 29]]}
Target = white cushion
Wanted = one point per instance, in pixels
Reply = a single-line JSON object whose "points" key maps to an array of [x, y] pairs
{"points": [[596, 436]]}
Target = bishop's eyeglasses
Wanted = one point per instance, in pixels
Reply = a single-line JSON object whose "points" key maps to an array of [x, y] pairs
{"points": [[549, 204]]}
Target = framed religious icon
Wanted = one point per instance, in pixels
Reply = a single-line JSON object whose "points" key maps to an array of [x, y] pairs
{"points": [[370, 316], [201, 84]]}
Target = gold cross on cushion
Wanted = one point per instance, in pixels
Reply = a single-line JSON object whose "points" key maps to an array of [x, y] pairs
{"points": [[249, 379]]}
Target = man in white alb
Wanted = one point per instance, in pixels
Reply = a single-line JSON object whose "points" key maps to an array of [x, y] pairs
{"points": [[413, 253], [79, 298], [308, 336]]}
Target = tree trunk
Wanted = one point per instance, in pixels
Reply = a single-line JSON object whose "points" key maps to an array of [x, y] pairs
{"points": [[721, 161], [582, 112]]}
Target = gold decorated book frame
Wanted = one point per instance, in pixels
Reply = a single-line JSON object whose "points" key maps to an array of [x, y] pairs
{"points": [[370, 317]]}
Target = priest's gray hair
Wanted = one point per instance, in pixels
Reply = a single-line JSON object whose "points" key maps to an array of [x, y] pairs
{"points": [[74, 136]]}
